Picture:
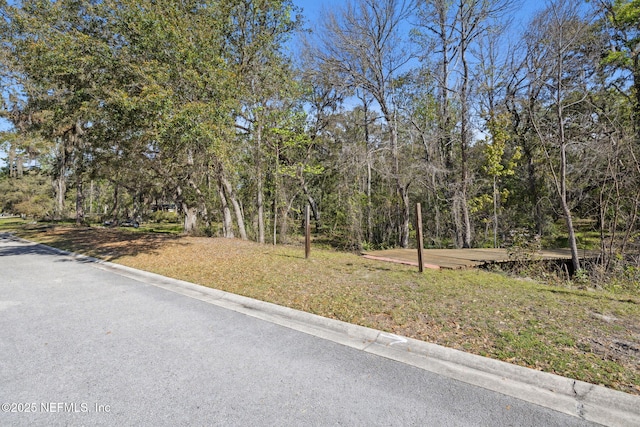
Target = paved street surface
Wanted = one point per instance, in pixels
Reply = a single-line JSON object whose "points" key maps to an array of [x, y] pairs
{"points": [[83, 346]]}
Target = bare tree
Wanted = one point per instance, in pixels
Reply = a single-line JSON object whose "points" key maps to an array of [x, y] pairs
{"points": [[558, 65], [361, 46], [451, 30]]}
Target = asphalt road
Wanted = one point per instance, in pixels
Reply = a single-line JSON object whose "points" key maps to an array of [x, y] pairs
{"points": [[83, 346]]}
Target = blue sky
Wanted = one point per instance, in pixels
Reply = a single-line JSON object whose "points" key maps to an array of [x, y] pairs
{"points": [[523, 10]]}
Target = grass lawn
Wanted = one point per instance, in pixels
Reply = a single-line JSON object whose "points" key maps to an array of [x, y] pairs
{"points": [[592, 336]]}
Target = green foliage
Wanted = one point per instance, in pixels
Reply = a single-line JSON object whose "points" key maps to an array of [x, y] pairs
{"points": [[626, 14], [496, 164], [479, 203], [624, 38], [581, 278], [28, 195], [625, 279], [165, 217], [618, 58], [294, 145], [524, 245]]}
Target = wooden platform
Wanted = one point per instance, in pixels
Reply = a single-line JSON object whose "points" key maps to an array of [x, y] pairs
{"points": [[460, 258]]}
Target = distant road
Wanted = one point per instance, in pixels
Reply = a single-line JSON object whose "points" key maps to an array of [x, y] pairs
{"points": [[83, 346]]}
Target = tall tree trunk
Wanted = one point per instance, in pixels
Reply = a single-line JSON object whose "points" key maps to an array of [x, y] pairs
{"points": [[236, 207], [114, 209], [467, 221], [259, 183], [275, 193], [260, 202], [369, 203], [11, 161], [190, 219], [636, 84], [19, 166], [405, 216], [91, 190], [60, 189], [367, 141], [190, 224], [79, 188], [402, 210], [60, 180], [227, 222], [79, 199], [77, 143], [575, 260], [445, 143], [456, 212], [464, 138], [275, 221], [312, 202], [496, 194]]}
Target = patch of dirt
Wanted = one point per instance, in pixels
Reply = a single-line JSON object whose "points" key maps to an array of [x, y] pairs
{"points": [[608, 319], [613, 348], [622, 346]]}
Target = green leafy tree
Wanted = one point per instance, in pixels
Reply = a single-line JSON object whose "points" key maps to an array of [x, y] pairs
{"points": [[56, 60], [497, 166], [173, 95], [623, 22], [265, 84], [28, 195]]}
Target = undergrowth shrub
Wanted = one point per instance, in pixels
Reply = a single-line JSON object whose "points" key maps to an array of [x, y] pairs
{"points": [[164, 216]]}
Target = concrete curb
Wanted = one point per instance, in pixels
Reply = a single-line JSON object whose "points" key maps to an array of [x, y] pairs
{"points": [[577, 398]]}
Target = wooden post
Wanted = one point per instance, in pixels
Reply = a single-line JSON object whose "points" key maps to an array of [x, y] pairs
{"points": [[307, 231], [419, 235]]}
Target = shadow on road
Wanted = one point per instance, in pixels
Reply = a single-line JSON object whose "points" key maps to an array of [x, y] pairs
{"points": [[106, 244], [31, 249]]}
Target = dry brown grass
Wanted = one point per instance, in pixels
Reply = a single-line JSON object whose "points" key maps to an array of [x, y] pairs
{"points": [[588, 335]]}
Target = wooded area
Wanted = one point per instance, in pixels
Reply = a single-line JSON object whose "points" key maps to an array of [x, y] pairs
{"points": [[235, 113]]}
